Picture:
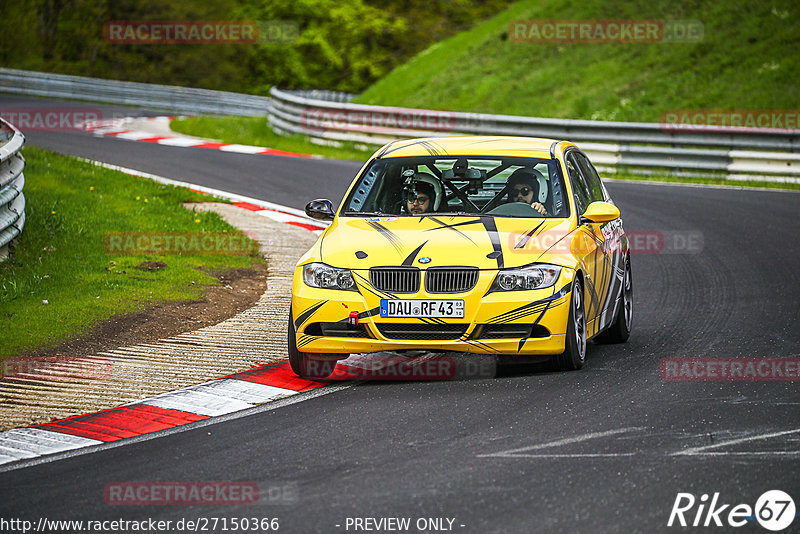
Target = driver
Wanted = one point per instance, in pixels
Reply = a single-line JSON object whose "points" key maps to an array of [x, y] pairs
{"points": [[422, 193], [523, 186]]}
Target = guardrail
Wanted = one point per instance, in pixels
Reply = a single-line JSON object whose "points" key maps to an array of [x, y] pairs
{"points": [[328, 117], [162, 97], [12, 201], [646, 148]]}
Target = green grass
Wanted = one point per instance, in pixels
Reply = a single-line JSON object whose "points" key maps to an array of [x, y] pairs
{"points": [[61, 255], [256, 131], [747, 60]]}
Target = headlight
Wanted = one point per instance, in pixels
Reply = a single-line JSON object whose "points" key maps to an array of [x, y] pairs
{"points": [[533, 277], [327, 277]]}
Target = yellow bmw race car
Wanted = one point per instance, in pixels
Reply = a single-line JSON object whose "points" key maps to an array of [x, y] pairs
{"points": [[492, 245]]}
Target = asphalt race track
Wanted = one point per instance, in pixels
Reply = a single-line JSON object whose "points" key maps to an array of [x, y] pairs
{"points": [[604, 449], [287, 181]]}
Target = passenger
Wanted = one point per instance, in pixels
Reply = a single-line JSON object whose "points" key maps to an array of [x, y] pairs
{"points": [[422, 193], [523, 186]]}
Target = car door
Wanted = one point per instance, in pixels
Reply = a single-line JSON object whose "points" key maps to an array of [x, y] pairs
{"points": [[590, 247], [608, 279]]}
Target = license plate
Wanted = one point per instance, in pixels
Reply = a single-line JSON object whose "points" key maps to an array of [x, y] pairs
{"points": [[422, 308]]}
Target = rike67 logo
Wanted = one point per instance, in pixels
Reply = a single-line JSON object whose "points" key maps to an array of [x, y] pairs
{"points": [[774, 510]]}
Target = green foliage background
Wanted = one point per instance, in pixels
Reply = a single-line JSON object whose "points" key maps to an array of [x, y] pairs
{"points": [[341, 45], [747, 59]]}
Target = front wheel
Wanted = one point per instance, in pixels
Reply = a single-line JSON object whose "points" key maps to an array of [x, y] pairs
{"points": [[309, 365], [575, 343]]}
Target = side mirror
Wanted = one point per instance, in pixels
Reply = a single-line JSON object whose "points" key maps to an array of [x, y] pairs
{"points": [[320, 209], [600, 212]]}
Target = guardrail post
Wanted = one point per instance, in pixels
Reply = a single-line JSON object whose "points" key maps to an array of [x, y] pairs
{"points": [[12, 180]]}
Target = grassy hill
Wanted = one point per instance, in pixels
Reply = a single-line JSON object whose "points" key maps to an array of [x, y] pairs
{"points": [[747, 59], [315, 44]]}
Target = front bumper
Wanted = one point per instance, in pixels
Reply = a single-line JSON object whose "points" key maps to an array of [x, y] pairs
{"points": [[514, 322]]}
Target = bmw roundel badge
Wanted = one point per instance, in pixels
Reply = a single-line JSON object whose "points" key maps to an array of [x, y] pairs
{"points": [[424, 259]]}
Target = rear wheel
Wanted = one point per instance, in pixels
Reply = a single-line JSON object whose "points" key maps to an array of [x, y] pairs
{"points": [[620, 329], [575, 339], [313, 366]]}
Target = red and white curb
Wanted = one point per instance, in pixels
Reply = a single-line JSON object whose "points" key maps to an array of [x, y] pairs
{"points": [[223, 396], [156, 130], [228, 395], [218, 397]]}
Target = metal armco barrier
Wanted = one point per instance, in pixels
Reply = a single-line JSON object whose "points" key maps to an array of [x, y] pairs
{"points": [[12, 201], [328, 117], [647, 148], [163, 97]]}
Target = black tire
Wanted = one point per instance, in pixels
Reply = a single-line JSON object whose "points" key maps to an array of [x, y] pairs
{"points": [[575, 340], [313, 366], [620, 329]]}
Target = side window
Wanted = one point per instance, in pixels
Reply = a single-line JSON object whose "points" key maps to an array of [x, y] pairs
{"points": [[591, 177], [579, 189], [364, 196], [560, 205]]}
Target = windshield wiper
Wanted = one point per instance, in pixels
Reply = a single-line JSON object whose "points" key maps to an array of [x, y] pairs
{"points": [[460, 213], [373, 213]]}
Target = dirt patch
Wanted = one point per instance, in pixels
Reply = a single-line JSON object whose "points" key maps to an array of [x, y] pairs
{"points": [[151, 266], [239, 290]]}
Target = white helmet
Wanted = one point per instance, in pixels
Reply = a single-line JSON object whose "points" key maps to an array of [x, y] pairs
{"points": [[412, 178]]}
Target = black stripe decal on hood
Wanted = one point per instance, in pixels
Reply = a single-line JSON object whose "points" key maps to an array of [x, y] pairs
{"points": [[388, 234], [445, 225], [452, 227], [524, 241], [494, 237], [409, 261], [427, 145]]}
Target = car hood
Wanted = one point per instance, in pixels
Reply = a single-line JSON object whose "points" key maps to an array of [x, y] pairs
{"points": [[434, 241]]}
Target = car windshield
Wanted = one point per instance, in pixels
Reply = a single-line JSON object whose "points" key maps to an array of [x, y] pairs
{"points": [[494, 186]]}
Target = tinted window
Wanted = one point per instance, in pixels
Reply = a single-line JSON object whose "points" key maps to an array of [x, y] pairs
{"points": [[591, 177], [458, 185], [579, 189]]}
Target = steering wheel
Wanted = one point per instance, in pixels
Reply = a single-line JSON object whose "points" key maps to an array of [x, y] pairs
{"points": [[515, 209]]}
